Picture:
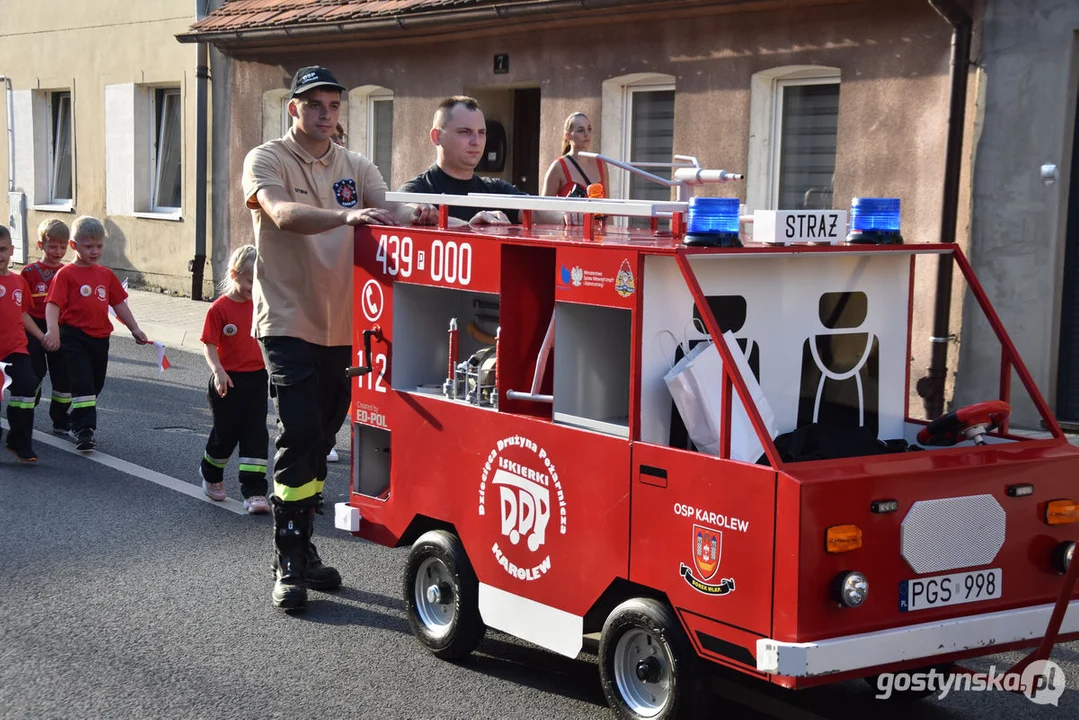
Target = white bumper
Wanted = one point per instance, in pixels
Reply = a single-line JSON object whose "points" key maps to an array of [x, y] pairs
{"points": [[928, 640]]}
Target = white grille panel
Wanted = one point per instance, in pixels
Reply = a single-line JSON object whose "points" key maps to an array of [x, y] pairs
{"points": [[951, 533]]}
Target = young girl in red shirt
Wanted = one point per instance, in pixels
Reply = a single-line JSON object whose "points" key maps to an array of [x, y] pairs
{"points": [[238, 389], [15, 325]]}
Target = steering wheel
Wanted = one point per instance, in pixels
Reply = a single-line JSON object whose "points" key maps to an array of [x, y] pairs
{"points": [[967, 423]]}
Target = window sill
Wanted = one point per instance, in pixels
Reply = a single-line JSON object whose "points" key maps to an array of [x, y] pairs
{"points": [[172, 217], [57, 208]]}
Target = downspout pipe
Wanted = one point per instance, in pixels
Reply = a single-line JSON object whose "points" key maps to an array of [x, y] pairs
{"points": [[9, 97], [932, 387], [202, 80]]}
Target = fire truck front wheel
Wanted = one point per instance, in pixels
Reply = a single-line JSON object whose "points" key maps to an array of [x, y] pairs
{"points": [[647, 666], [442, 596]]}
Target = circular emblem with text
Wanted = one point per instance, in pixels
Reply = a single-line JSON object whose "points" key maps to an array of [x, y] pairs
{"points": [[100, 292], [518, 487], [86, 291], [229, 330]]}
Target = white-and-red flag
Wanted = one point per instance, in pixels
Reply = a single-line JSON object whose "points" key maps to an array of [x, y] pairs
{"points": [[163, 363], [5, 379]]}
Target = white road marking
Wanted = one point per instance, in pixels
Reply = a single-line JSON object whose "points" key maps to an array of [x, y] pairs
{"points": [[166, 481]]}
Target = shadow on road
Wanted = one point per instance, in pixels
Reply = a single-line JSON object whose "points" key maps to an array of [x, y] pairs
{"points": [[369, 598], [537, 668], [345, 607]]}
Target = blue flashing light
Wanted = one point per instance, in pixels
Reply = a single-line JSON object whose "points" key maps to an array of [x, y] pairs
{"points": [[874, 221], [713, 221], [874, 214]]}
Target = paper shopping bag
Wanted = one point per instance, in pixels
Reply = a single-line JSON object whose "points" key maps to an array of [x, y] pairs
{"points": [[696, 386]]}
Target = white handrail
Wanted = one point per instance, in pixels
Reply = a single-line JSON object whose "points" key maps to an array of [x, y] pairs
{"points": [[599, 206]]}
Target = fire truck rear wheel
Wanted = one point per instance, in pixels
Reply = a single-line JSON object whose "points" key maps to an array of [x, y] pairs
{"points": [[646, 664], [442, 596]]}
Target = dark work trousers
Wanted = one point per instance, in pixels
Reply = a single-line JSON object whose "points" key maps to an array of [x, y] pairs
{"points": [[86, 359], [53, 363], [311, 395], [20, 406], [239, 419]]}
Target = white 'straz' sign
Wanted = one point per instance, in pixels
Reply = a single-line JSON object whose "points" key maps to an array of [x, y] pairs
{"points": [[783, 227]]}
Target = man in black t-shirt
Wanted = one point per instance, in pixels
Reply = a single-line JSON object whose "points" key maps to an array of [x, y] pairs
{"points": [[459, 133]]}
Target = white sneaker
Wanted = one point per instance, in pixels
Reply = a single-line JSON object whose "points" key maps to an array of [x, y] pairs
{"points": [[214, 491], [332, 457], [256, 505]]}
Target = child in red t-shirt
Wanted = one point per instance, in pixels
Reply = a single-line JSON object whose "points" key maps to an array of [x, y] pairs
{"points": [[53, 237], [15, 325], [77, 316], [238, 389]]}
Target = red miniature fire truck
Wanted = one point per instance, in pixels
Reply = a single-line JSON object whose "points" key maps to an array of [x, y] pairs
{"points": [[513, 425]]}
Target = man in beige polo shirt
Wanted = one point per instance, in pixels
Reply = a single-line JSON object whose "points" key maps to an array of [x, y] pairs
{"points": [[305, 194]]}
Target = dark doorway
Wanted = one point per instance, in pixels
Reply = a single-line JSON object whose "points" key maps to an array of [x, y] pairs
{"points": [[1068, 373], [526, 131]]}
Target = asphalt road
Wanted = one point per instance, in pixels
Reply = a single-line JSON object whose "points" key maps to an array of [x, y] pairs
{"points": [[124, 593]]}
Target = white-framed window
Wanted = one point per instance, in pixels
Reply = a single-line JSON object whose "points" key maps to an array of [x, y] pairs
{"points": [[44, 155], [794, 115], [275, 117], [637, 118], [806, 119], [380, 134], [166, 170], [144, 151], [649, 137], [59, 142], [370, 119]]}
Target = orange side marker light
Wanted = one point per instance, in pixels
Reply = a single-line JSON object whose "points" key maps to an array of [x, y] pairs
{"points": [[1062, 512], [842, 538]]}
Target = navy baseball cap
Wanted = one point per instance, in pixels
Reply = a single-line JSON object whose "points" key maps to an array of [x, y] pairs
{"points": [[309, 78]]}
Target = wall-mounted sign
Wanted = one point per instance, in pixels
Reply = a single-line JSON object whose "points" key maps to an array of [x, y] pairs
{"points": [[502, 63]]}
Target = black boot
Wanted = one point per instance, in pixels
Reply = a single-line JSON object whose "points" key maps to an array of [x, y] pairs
{"points": [[319, 576], [292, 538]]}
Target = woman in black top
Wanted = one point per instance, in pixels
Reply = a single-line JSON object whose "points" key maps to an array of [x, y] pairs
{"points": [[570, 175]]}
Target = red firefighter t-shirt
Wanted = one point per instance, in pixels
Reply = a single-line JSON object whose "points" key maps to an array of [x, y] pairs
{"points": [[14, 301], [39, 277], [84, 295], [228, 326]]}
